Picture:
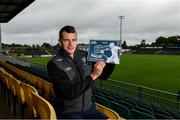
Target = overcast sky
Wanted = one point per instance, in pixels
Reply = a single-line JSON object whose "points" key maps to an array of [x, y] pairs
{"points": [[94, 19]]}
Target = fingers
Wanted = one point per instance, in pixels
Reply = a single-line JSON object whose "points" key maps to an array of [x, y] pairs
{"points": [[100, 64], [98, 68]]}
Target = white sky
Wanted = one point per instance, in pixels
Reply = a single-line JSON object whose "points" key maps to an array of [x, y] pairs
{"points": [[94, 19]]}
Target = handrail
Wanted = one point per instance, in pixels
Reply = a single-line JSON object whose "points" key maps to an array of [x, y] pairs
{"points": [[165, 98], [166, 92]]}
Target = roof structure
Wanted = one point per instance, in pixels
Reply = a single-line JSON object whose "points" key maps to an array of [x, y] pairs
{"points": [[10, 8]]}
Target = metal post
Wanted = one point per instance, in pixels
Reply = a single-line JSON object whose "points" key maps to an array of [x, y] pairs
{"points": [[120, 18]]}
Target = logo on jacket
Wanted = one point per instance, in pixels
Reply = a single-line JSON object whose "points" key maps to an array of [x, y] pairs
{"points": [[59, 60], [68, 68], [84, 60]]}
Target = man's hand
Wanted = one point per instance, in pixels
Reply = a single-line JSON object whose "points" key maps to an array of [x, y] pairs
{"points": [[97, 70]]}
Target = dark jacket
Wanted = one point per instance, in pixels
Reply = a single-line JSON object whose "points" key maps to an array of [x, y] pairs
{"points": [[71, 80]]}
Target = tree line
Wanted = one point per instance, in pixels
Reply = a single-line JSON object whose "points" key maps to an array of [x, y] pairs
{"points": [[164, 42], [161, 41]]}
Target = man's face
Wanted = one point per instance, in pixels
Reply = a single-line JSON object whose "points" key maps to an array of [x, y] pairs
{"points": [[69, 42]]}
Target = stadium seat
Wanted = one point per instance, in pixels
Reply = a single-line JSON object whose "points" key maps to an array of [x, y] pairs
{"points": [[102, 100], [110, 98], [120, 109], [161, 116], [11, 80], [27, 89], [5, 87], [161, 111], [43, 108], [144, 105], [20, 95], [135, 114], [144, 110], [128, 105], [108, 112]]}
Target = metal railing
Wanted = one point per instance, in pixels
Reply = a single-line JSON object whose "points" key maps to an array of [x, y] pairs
{"points": [[168, 99]]}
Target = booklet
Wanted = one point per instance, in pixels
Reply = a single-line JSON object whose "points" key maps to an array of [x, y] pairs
{"points": [[104, 50]]}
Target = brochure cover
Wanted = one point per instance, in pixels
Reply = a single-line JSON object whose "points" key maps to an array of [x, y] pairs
{"points": [[104, 50]]}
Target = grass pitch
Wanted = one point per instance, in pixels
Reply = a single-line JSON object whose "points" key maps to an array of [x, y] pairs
{"points": [[154, 71]]}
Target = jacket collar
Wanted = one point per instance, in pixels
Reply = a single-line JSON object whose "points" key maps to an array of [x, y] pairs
{"points": [[64, 53]]}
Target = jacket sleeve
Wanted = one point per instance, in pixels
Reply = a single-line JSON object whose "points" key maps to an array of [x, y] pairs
{"points": [[63, 87], [107, 71]]}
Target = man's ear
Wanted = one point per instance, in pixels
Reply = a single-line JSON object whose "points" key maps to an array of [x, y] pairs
{"points": [[59, 41]]}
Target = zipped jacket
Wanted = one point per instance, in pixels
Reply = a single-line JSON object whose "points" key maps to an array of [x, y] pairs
{"points": [[71, 80]]}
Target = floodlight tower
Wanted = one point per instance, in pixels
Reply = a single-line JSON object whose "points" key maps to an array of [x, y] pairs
{"points": [[120, 18]]}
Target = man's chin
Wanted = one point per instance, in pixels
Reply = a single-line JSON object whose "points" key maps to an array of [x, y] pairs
{"points": [[71, 52]]}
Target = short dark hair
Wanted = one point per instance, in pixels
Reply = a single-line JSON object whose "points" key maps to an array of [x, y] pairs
{"points": [[68, 29]]}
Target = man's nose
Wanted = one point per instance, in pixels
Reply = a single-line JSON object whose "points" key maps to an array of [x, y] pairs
{"points": [[70, 42]]}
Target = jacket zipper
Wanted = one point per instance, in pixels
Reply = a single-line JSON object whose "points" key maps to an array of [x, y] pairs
{"points": [[82, 108]]}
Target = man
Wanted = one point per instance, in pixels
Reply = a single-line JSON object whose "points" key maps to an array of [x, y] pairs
{"points": [[73, 77]]}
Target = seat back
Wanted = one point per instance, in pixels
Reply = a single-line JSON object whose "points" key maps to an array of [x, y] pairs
{"points": [[28, 89], [19, 91], [108, 112], [120, 109], [135, 114], [43, 108], [102, 101]]}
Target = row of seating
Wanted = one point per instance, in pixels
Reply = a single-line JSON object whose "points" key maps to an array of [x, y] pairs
{"points": [[45, 89], [35, 69], [168, 51], [27, 96], [129, 107]]}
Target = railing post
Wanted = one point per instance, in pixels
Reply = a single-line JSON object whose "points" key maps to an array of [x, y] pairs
{"points": [[158, 97], [140, 93], [178, 99]]}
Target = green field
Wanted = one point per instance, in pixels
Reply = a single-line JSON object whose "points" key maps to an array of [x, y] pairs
{"points": [[154, 71], [41, 60]]}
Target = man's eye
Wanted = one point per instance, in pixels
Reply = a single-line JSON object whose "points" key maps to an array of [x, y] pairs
{"points": [[65, 40]]}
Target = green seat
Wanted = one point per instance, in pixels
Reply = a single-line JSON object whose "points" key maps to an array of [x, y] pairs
{"points": [[162, 112], [161, 116], [144, 110], [135, 114], [145, 106], [120, 109], [103, 101], [124, 103]]}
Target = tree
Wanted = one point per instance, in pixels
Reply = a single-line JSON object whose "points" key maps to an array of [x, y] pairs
{"points": [[33, 46], [161, 41], [37, 46], [124, 45], [172, 39], [46, 45], [143, 42]]}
